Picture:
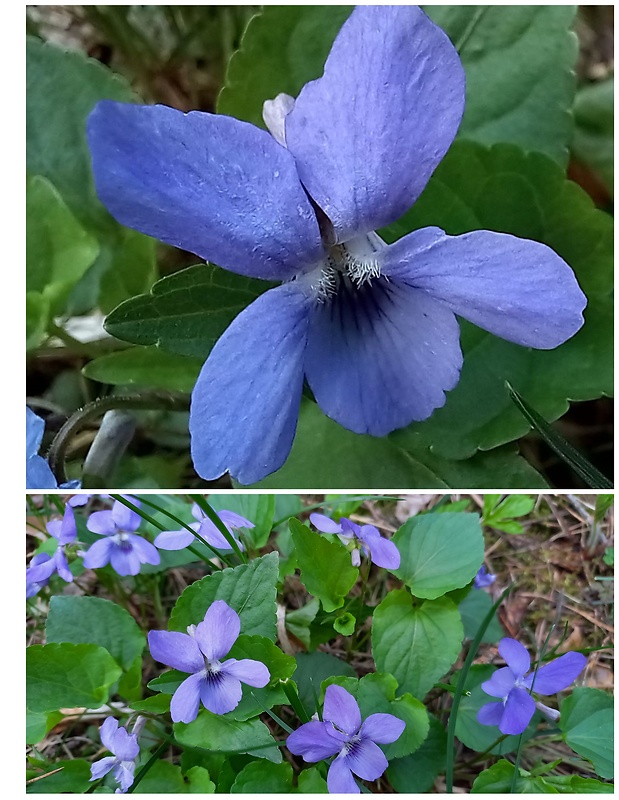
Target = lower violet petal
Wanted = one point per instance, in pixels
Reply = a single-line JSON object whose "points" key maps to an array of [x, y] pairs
{"points": [[220, 692], [124, 775], [124, 561], [519, 709], [381, 355], [186, 699], [383, 552], [340, 779], [146, 552], [245, 404], [490, 714], [366, 760], [102, 767]]}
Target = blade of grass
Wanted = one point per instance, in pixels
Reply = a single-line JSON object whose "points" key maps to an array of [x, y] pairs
{"points": [[567, 452], [214, 518]]}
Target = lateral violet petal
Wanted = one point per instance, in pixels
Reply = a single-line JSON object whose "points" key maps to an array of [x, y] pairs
{"points": [[491, 714], [500, 683], [98, 554], [340, 779], [247, 670], [366, 760], [381, 356], [207, 183], [368, 134], [107, 732], [177, 650], [218, 631], [312, 742], [518, 289], [516, 656], [558, 674], [123, 773], [234, 520], [383, 552], [519, 708], [185, 702], [382, 728], [100, 768], [146, 552], [341, 709], [245, 404], [325, 524], [174, 540]]}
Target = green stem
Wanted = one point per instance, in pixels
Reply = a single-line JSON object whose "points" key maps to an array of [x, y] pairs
{"points": [[85, 415], [214, 518], [294, 699], [88, 349], [453, 715]]}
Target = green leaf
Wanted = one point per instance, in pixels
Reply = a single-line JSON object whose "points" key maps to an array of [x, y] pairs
{"points": [[325, 455], [574, 784], [37, 317], [68, 675], [504, 189], [250, 589], [501, 514], [199, 781], [518, 62], [224, 734], [186, 312], [417, 772], [299, 620], [58, 249], [312, 670], [602, 503], [92, 620], [156, 704], [345, 624], [587, 722], [326, 568], [145, 366], [257, 508], [498, 778], [310, 781], [63, 87], [262, 777], [73, 778], [417, 643], [594, 117], [439, 552], [162, 778], [472, 733], [39, 723], [280, 667], [375, 694], [473, 609]]}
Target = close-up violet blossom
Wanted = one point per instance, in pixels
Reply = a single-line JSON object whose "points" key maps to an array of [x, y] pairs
{"points": [[341, 733], [125, 749], [120, 546], [206, 528], [43, 566], [513, 686], [371, 327], [364, 539], [200, 651], [483, 578]]}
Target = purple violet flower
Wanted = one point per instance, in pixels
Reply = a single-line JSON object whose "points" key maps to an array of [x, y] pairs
{"points": [[121, 547], [125, 749], [38, 472], [342, 734], [200, 651], [176, 540], [42, 566], [371, 326], [362, 538], [483, 578], [512, 685]]}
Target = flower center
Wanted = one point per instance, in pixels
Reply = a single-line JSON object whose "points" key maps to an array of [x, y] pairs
{"points": [[347, 267], [122, 540]]}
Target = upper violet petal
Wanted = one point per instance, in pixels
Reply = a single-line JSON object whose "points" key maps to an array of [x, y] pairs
{"points": [[519, 709], [325, 524], [207, 183], [341, 709], [245, 404], [517, 289], [126, 746], [340, 779], [383, 728], [558, 674], [516, 656], [101, 522], [218, 631], [107, 732], [381, 355], [369, 133], [175, 649], [312, 742], [383, 552], [125, 518]]}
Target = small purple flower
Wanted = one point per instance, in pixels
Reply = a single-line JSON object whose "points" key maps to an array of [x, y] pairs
{"points": [[177, 540], [371, 326], [342, 734], [38, 473], [512, 685], [200, 651], [361, 538], [483, 578], [124, 746], [79, 500], [43, 566], [121, 547]]}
